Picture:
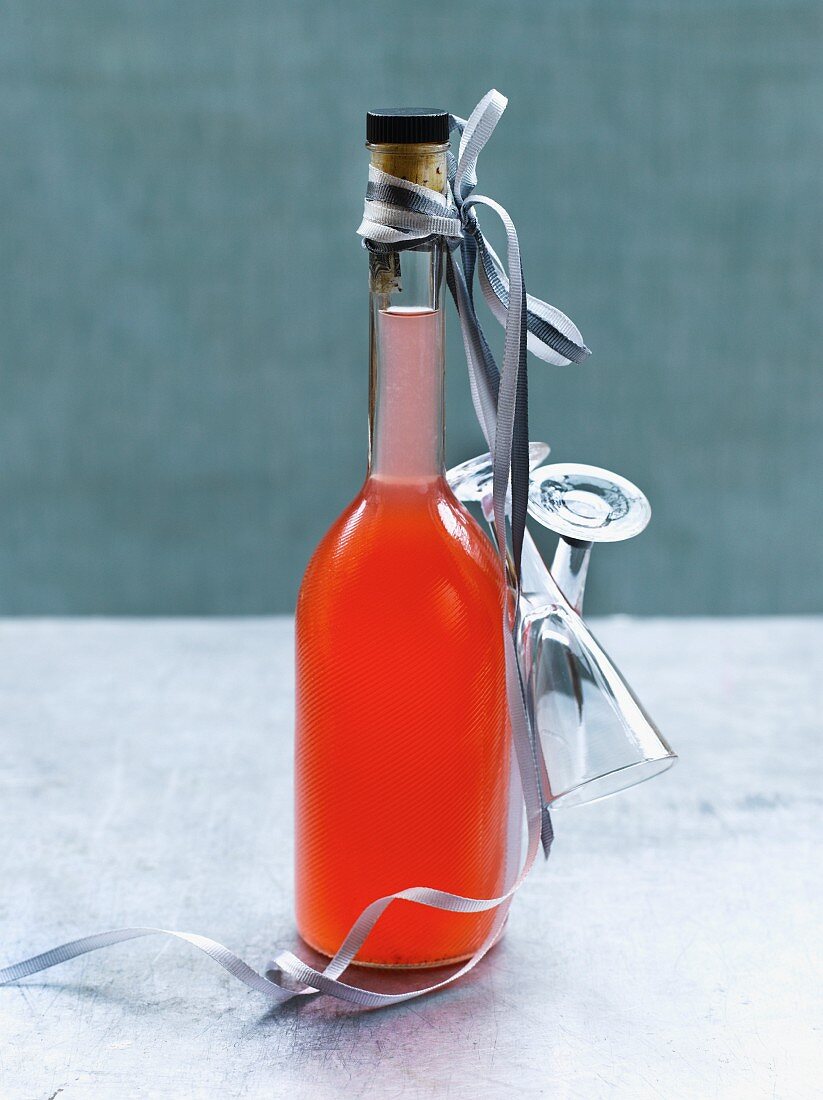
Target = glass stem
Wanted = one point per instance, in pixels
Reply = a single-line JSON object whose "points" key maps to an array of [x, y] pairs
{"points": [[569, 568]]}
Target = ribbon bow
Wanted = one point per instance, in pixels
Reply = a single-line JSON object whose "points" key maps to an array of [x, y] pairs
{"points": [[399, 214]]}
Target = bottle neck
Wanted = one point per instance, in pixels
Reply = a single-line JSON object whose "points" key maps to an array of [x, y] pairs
{"points": [[406, 416]]}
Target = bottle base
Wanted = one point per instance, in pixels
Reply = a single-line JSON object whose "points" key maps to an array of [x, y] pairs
{"points": [[370, 964]]}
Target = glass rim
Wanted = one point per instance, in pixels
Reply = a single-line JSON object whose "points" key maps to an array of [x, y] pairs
{"points": [[652, 766]]}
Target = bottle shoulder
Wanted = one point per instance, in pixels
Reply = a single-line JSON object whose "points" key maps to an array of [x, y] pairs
{"points": [[420, 533]]}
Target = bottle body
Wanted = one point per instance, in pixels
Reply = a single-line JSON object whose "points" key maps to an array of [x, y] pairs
{"points": [[402, 735], [402, 753]]}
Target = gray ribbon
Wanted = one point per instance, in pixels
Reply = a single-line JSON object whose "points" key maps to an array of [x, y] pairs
{"points": [[400, 214]]}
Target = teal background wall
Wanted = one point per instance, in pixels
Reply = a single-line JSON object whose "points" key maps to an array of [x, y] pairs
{"points": [[182, 297]]}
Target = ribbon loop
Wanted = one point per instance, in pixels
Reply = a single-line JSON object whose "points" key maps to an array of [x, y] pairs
{"points": [[475, 132]]}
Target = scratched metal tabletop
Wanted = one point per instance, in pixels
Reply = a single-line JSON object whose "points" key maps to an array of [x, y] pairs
{"points": [[670, 948]]}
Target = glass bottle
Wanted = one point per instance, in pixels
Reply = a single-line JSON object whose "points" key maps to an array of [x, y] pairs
{"points": [[402, 742]]}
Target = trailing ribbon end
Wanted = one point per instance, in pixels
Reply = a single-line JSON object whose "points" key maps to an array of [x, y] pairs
{"points": [[272, 989]]}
